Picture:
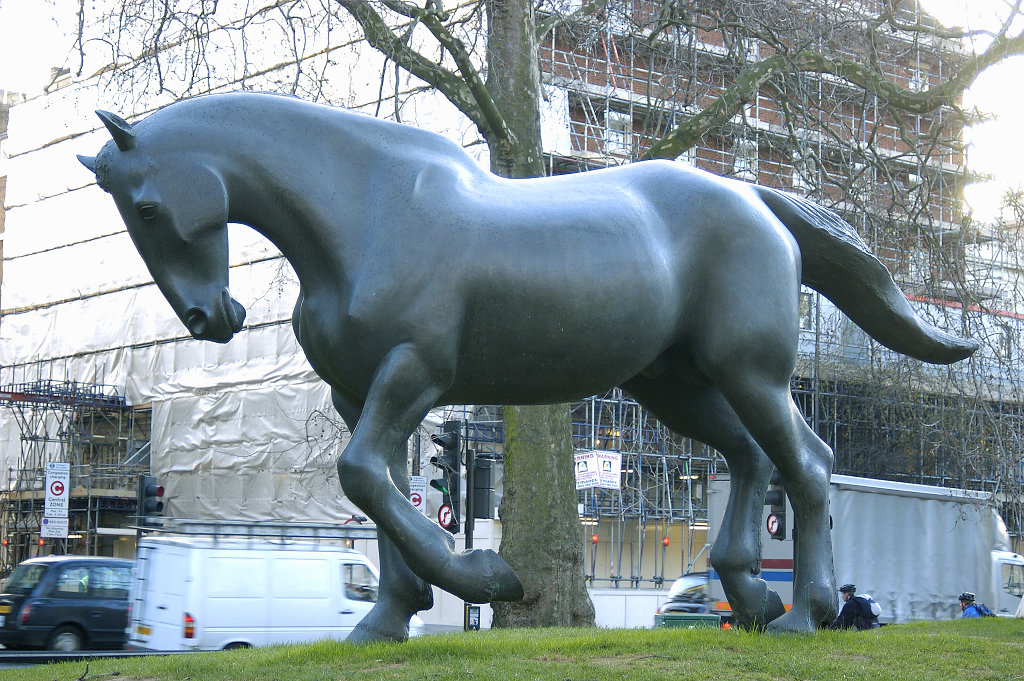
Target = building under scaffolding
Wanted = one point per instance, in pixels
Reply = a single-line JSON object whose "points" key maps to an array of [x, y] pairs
{"points": [[233, 431], [106, 444]]}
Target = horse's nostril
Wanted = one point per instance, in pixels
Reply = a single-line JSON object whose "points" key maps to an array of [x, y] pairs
{"points": [[195, 321]]}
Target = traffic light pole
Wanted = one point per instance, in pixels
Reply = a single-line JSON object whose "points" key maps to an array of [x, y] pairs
{"points": [[452, 441], [470, 495], [471, 612]]}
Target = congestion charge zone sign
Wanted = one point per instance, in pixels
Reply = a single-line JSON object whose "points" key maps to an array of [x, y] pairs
{"points": [[58, 479], [58, 490]]}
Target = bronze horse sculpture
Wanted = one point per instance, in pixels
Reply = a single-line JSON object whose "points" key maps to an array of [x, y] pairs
{"points": [[426, 280]]}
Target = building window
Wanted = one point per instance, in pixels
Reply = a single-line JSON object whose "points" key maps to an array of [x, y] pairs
{"points": [[804, 176], [807, 310], [744, 164], [861, 179], [1004, 342], [919, 268], [618, 133], [918, 80]]}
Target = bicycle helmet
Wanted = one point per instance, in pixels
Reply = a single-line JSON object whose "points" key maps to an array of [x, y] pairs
{"points": [[967, 597]]}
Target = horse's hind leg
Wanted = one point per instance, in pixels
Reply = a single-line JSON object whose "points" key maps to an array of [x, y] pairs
{"points": [[703, 414], [401, 593], [750, 357], [805, 463]]}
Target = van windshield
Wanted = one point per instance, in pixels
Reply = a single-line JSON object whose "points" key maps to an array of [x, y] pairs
{"points": [[25, 577], [360, 583]]}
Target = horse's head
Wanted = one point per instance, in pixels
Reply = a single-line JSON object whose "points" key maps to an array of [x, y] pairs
{"points": [[175, 207]]}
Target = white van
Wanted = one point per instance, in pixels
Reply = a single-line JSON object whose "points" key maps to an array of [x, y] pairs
{"points": [[209, 593]]}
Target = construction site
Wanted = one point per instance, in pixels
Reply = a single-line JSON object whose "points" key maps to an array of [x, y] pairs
{"points": [[106, 443], [246, 431]]}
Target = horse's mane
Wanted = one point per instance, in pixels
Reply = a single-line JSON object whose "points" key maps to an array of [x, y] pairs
{"points": [[409, 137]]}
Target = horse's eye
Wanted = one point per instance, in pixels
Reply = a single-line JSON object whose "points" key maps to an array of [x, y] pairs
{"points": [[147, 211]]}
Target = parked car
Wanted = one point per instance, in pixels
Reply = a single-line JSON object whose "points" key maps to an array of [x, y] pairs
{"points": [[689, 593], [66, 603]]}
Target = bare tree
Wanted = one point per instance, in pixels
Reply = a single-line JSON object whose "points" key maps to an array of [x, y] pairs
{"points": [[863, 101]]}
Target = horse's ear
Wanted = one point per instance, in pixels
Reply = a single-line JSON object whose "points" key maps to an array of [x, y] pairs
{"points": [[120, 130], [88, 161]]}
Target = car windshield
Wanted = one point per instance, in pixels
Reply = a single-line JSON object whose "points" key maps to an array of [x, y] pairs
{"points": [[25, 578], [688, 585]]}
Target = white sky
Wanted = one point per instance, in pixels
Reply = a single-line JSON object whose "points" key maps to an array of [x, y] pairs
{"points": [[36, 35]]}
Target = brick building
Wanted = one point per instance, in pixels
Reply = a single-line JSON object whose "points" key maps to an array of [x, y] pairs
{"points": [[245, 429]]}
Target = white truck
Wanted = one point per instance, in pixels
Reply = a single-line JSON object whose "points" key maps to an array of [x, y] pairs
{"points": [[914, 548], [210, 593]]}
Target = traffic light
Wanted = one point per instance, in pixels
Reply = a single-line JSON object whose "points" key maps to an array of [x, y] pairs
{"points": [[149, 498], [449, 460], [775, 497], [483, 488]]}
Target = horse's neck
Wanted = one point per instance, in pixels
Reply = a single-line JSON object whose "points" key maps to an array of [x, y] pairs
{"points": [[300, 191], [307, 177]]}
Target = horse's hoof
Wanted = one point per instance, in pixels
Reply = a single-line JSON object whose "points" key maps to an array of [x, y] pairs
{"points": [[792, 622], [376, 626], [755, 605], [771, 610], [496, 580], [773, 607]]}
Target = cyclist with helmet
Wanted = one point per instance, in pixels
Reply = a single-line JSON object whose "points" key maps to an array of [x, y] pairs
{"points": [[858, 611], [968, 606]]}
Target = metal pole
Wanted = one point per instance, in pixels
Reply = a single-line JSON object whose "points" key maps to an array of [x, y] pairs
{"points": [[470, 494]]}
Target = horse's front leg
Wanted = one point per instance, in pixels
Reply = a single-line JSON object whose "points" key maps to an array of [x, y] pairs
{"points": [[404, 389], [401, 594]]}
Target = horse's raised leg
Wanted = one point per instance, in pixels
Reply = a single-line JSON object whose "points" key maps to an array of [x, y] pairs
{"points": [[703, 414], [401, 594], [403, 390]]}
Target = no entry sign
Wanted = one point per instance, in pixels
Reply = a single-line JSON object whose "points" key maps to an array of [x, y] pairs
{"points": [[445, 516]]}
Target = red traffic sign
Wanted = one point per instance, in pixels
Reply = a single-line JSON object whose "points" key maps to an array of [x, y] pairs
{"points": [[772, 524], [445, 516], [415, 498], [57, 488]]}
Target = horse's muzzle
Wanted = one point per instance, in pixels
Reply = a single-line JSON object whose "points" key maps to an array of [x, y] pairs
{"points": [[227, 320]]}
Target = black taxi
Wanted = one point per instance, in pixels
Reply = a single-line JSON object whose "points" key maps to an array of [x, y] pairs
{"points": [[66, 603]]}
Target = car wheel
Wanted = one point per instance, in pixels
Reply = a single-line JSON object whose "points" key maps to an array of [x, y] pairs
{"points": [[66, 639], [237, 645]]}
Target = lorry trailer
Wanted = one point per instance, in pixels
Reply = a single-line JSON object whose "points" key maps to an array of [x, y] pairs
{"points": [[914, 548]]}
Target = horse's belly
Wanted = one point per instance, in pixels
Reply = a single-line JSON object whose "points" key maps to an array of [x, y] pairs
{"points": [[539, 376]]}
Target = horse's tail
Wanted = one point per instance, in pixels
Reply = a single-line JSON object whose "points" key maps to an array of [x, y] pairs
{"points": [[838, 264]]}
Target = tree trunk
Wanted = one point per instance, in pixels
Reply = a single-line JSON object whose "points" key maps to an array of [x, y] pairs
{"points": [[542, 539], [541, 531]]}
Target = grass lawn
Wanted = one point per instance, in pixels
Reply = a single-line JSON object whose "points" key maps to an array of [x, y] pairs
{"points": [[987, 648]]}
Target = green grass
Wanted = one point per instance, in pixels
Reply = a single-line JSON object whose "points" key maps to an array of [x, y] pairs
{"points": [[976, 649]]}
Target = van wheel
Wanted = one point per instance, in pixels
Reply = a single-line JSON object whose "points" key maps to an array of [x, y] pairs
{"points": [[66, 639], [237, 645]]}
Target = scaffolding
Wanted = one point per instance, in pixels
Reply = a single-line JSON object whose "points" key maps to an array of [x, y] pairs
{"points": [[106, 444], [652, 528], [616, 85]]}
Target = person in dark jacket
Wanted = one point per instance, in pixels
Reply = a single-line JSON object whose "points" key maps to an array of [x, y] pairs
{"points": [[856, 612]]}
